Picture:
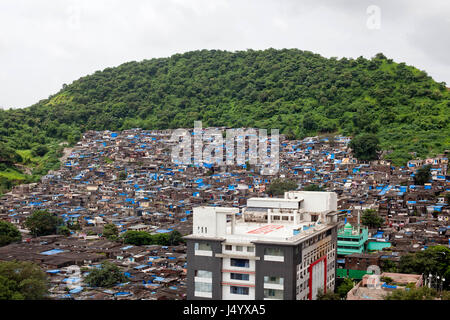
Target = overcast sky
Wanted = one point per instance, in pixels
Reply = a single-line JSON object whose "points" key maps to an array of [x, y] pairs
{"points": [[46, 43]]}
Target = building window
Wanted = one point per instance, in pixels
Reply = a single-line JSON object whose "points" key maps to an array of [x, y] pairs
{"points": [[242, 263], [228, 247], [239, 290], [202, 246], [273, 280], [239, 276], [203, 274], [273, 252], [239, 248], [203, 287], [250, 249], [273, 294]]}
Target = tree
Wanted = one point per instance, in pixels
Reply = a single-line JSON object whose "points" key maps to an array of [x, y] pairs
{"points": [[422, 175], [327, 296], [107, 276], [39, 150], [175, 238], [111, 232], [43, 223], [140, 238], [365, 147], [8, 233], [8, 156], [63, 230], [344, 288], [22, 281], [388, 280], [278, 186], [434, 260], [137, 238], [371, 219], [388, 266], [308, 122], [445, 295], [313, 187], [122, 175], [423, 293]]}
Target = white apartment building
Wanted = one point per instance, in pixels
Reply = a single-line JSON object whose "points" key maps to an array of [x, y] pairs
{"points": [[276, 248]]}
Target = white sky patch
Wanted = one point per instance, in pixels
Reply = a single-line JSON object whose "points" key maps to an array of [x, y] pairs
{"points": [[46, 43]]}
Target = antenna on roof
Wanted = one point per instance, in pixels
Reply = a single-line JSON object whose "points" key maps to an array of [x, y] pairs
{"points": [[359, 213]]}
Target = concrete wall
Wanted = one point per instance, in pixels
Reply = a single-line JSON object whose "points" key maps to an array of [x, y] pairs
{"points": [[206, 263], [315, 201], [211, 221], [286, 269]]}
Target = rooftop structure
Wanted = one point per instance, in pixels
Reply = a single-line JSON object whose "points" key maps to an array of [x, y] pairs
{"points": [[372, 287], [351, 240]]}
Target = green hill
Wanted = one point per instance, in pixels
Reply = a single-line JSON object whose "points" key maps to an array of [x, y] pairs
{"points": [[298, 92]]}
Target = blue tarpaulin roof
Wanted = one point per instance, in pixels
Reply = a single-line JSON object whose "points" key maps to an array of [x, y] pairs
{"points": [[76, 290], [163, 231], [52, 252]]}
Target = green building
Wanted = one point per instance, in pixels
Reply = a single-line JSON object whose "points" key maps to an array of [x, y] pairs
{"points": [[351, 240]]}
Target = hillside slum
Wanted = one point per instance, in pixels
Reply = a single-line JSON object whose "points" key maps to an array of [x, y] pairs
{"points": [[128, 179]]}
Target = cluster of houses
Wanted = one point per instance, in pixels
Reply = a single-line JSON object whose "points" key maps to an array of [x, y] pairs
{"points": [[128, 179]]}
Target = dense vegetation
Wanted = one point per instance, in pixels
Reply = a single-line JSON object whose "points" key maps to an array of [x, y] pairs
{"points": [[340, 291], [365, 147], [298, 92], [8, 233], [140, 238], [107, 276], [22, 281], [279, 186], [44, 223], [434, 260], [111, 232], [371, 219], [313, 187], [423, 293], [422, 175]]}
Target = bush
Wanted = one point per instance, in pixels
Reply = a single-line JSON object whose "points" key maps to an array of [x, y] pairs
{"points": [[111, 232], [422, 175], [43, 223], [313, 187], [22, 281], [279, 186], [423, 293], [371, 219], [140, 238], [39, 151], [108, 275], [365, 147], [8, 233]]}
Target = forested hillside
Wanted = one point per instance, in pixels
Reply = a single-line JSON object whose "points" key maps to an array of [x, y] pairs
{"points": [[298, 92]]}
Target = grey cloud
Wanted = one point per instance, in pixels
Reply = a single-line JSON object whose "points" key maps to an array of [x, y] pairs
{"points": [[46, 43]]}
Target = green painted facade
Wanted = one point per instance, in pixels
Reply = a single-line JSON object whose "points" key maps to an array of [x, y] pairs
{"points": [[349, 240], [377, 246]]}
